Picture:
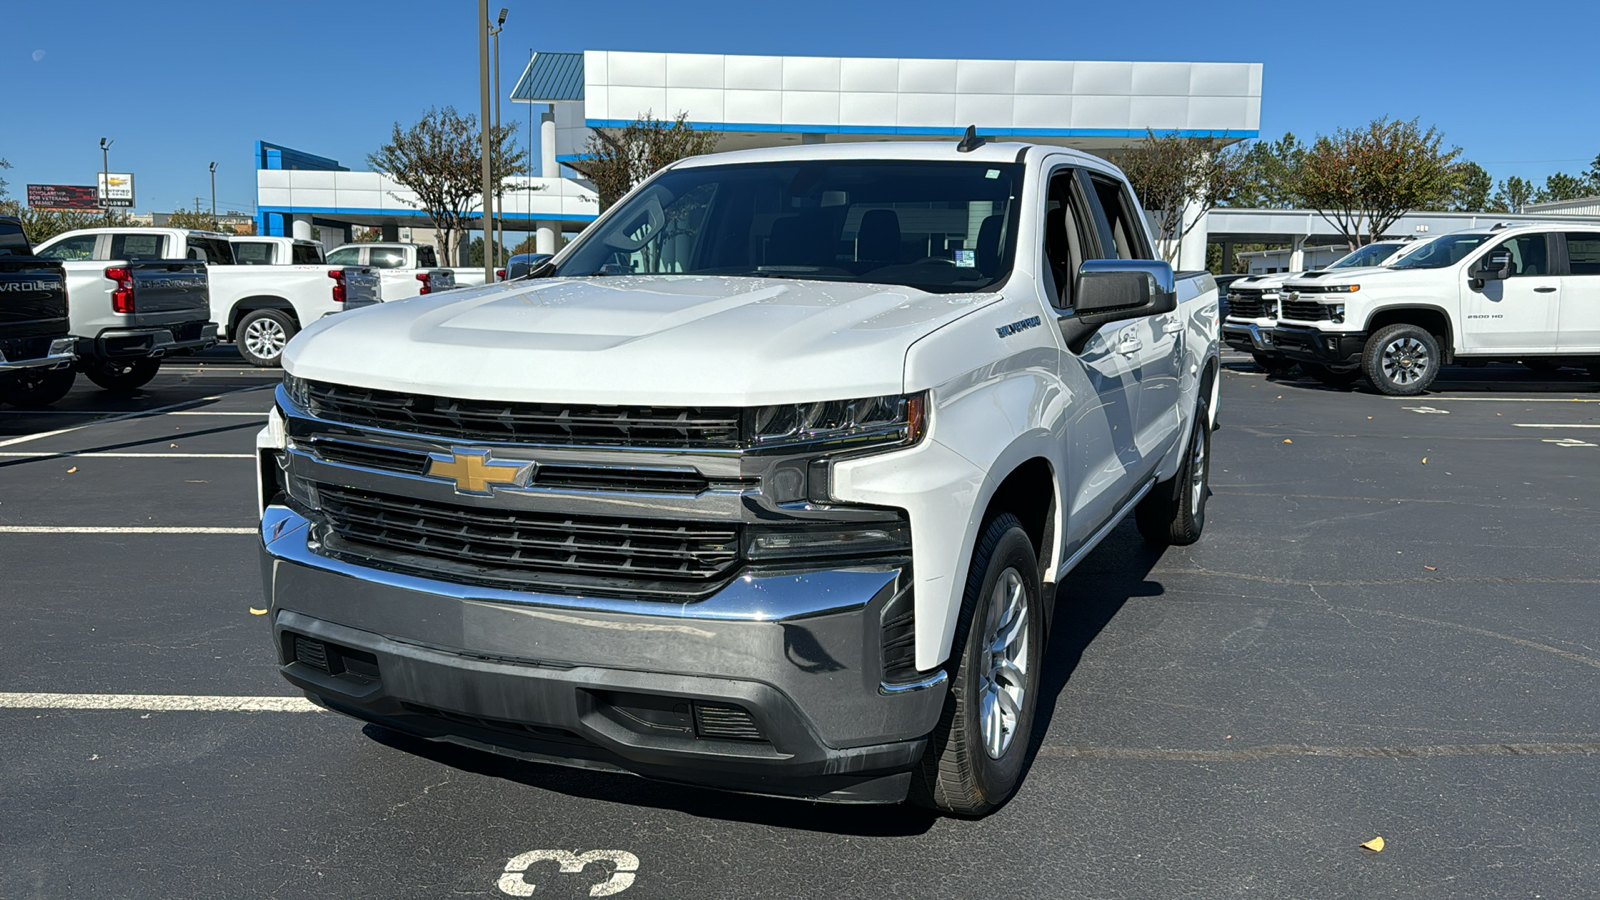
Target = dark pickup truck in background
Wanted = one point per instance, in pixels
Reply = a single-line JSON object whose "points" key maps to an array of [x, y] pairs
{"points": [[35, 345]]}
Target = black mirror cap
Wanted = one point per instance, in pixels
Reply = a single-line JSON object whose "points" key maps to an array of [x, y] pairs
{"points": [[1113, 289], [1495, 265]]}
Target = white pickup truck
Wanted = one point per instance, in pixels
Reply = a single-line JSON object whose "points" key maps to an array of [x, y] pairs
{"points": [[1528, 294], [258, 307], [1253, 302], [128, 309], [764, 484], [406, 270]]}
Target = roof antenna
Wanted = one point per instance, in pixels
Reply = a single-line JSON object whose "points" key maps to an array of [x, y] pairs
{"points": [[970, 141]]}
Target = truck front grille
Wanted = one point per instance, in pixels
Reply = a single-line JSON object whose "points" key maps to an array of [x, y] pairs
{"points": [[529, 423], [1304, 310], [1247, 304], [609, 479], [523, 550]]}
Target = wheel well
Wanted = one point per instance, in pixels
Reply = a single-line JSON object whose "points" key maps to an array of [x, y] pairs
{"points": [[1434, 321], [1029, 493], [251, 304]]}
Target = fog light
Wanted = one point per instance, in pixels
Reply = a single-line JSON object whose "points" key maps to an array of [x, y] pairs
{"points": [[829, 540]]}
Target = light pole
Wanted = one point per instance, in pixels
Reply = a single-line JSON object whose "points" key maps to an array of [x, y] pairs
{"points": [[499, 200], [483, 132], [105, 177], [213, 194]]}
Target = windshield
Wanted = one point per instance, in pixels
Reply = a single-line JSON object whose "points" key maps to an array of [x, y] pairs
{"points": [[1441, 252], [936, 226], [1370, 255]]}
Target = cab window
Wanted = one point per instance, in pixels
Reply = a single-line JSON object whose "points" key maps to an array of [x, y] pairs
{"points": [[345, 256], [72, 248], [1066, 239], [1127, 233], [386, 257], [134, 247], [1530, 255], [252, 253], [426, 259]]}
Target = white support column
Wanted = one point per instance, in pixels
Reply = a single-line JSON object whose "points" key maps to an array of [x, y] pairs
{"points": [[1297, 255], [300, 228], [548, 167], [545, 238], [1192, 247]]}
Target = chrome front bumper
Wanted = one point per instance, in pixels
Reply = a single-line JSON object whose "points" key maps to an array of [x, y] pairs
{"points": [[559, 678], [59, 354]]}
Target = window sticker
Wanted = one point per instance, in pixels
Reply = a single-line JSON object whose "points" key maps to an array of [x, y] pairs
{"points": [[992, 173], [966, 259]]}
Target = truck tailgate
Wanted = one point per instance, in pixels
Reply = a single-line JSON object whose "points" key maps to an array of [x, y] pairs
{"points": [[362, 287], [171, 291], [33, 297]]}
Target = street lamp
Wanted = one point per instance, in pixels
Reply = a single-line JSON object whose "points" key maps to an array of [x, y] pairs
{"points": [[105, 177], [499, 200], [483, 130], [213, 194]]}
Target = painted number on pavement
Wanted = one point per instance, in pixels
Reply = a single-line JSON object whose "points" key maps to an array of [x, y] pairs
{"points": [[623, 867]]}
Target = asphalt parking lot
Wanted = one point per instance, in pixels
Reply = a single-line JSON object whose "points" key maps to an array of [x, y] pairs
{"points": [[1389, 628]]}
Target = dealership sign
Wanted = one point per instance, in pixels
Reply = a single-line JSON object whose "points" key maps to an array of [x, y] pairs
{"points": [[63, 196], [116, 189]]}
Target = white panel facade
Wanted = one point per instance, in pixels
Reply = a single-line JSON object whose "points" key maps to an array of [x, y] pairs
{"points": [[811, 73]]}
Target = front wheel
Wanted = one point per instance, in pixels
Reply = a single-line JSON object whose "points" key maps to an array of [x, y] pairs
{"points": [[263, 333], [36, 388], [975, 755], [1174, 512], [1401, 360], [121, 375]]}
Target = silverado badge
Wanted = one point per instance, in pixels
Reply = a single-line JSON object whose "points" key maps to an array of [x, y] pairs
{"points": [[474, 473]]}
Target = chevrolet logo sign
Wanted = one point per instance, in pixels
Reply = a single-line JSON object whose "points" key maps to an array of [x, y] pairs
{"points": [[475, 473]]}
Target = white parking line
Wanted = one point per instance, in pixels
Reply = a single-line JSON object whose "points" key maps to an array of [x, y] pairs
{"points": [[63, 454], [1501, 399], [1533, 425], [120, 529], [125, 416], [158, 703]]}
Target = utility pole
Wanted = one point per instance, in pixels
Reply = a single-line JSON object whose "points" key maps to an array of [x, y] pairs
{"points": [[105, 177], [483, 133], [214, 195], [499, 200]]}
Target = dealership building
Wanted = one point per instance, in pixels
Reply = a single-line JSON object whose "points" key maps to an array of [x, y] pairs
{"points": [[766, 101]]}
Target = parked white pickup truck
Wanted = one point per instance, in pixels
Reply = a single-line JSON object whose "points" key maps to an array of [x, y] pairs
{"points": [[258, 307], [128, 309], [764, 484], [407, 270], [1253, 302], [1527, 294]]}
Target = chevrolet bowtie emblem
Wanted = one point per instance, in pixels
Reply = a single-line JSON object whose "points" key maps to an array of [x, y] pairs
{"points": [[475, 473]]}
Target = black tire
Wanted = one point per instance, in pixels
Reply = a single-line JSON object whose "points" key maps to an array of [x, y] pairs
{"points": [[262, 334], [1174, 512], [1330, 377], [1401, 360], [1594, 371], [1272, 365], [957, 774], [122, 375], [1543, 366], [36, 388]]}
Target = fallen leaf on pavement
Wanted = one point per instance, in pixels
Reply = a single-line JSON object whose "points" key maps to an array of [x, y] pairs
{"points": [[1375, 845], [1424, 460], [71, 470], [1431, 568], [172, 445], [1287, 441], [257, 612]]}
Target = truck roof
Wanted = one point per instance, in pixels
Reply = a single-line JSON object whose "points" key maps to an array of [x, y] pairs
{"points": [[999, 152]]}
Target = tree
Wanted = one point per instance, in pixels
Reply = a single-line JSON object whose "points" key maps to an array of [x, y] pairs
{"points": [[1562, 186], [1470, 192], [475, 253], [617, 159], [6, 164], [366, 236], [42, 224], [189, 218], [1270, 170], [1512, 195], [1363, 180], [1178, 178], [440, 159]]}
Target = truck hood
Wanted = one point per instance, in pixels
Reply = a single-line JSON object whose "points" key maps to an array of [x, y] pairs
{"points": [[668, 340], [1373, 278]]}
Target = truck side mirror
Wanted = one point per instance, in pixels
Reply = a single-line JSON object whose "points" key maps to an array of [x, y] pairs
{"points": [[1111, 290], [1495, 265]]}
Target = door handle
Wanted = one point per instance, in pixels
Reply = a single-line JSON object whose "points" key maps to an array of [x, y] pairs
{"points": [[1130, 344], [1171, 326], [1544, 290]]}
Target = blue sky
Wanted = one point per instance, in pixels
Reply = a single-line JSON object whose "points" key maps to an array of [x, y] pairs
{"points": [[178, 84]]}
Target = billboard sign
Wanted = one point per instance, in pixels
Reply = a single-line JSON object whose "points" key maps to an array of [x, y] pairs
{"points": [[116, 189], [63, 196]]}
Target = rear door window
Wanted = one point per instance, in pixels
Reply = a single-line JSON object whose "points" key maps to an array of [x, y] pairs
{"points": [[73, 248], [386, 257], [426, 259], [211, 250], [252, 253], [346, 256], [1126, 231], [1583, 252], [135, 247], [306, 255]]}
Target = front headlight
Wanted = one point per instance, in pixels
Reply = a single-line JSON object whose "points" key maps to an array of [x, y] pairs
{"points": [[878, 422], [1341, 288], [298, 389]]}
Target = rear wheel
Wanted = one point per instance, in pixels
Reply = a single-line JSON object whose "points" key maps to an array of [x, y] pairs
{"points": [[121, 375], [975, 755], [36, 388], [1174, 512], [1401, 360], [262, 335]]}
